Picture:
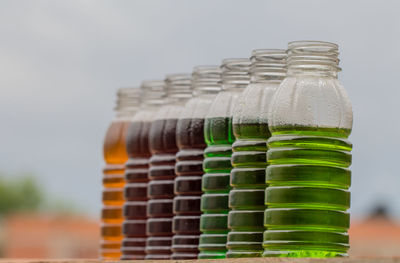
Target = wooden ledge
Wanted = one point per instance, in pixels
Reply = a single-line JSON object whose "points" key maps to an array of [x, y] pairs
{"points": [[233, 260]]}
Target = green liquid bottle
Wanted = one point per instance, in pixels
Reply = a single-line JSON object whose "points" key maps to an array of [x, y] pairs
{"points": [[215, 185], [217, 163], [247, 196], [308, 155], [250, 127]]}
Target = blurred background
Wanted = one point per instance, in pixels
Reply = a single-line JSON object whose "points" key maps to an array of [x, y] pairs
{"points": [[62, 61]]}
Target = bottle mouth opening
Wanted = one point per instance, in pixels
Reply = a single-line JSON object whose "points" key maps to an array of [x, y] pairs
{"points": [[206, 71], [314, 47], [183, 78], [235, 65], [158, 83], [128, 91], [273, 56]]}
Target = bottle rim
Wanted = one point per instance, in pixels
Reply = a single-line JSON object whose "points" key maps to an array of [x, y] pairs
{"points": [[313, 46]]}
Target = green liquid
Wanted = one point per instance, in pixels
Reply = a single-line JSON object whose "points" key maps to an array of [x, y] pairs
{"points": [[307, 195], [215, 185], [246, 199]]}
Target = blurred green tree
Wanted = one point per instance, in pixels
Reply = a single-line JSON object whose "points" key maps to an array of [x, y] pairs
{"points": [[19, 194]]}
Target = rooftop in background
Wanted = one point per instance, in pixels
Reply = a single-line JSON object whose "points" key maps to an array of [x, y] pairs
{"points": [[44, 236]]}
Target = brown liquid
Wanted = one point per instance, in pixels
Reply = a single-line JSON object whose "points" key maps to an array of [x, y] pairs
{"points": [[135, 192], [115, 157], [160, 190], [189, 171]]}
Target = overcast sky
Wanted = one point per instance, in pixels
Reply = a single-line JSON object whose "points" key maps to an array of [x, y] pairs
{"points": [[61, 62]]}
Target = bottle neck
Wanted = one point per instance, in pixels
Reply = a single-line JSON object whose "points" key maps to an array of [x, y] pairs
{"points": [[153, 94], [312, 71], [268, 66], [179, 88], [206, 81], [177, 100], [128, 102], [313, 59], [122, 114], [235, 74]]}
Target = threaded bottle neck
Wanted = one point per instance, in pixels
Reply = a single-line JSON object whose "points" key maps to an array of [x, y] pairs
{"points": [[268, 65], [313, 58], [235, 73], [206, 80], [153, 93], [178, 88], [128, 101]]}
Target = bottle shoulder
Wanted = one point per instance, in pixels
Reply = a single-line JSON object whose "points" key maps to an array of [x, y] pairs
{"points": [[196, 108], [144, 115], [310, 101], [253, 104], [168, 112], [223, 104]]}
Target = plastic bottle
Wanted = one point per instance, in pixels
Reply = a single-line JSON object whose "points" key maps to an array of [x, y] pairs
{"points": [[162, 165], [115, 156], [136, 173], [250, 127], [308, 177], [217, 163], [191, 144]]}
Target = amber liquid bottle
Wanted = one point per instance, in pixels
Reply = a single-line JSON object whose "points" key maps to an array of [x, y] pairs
{"points": [[189, 170], [115, 156], [162, 166]]}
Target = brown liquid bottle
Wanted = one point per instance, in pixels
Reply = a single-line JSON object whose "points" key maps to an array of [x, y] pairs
{"points": [[135, 192], [162, 167], [115, 156], [136, 174], [189, 161]]}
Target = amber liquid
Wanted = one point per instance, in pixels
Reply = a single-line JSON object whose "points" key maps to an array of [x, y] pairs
{"points": [[160, 190], [135, 193], [189, 171], [115, 156]]}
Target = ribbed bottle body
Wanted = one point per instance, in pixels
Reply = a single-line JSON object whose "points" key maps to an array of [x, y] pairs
{"points": [[160, 190], [163, 145], [135, 191], [115, 157], [307, 196], [246, 199], [189, 160], [215, 185]]}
